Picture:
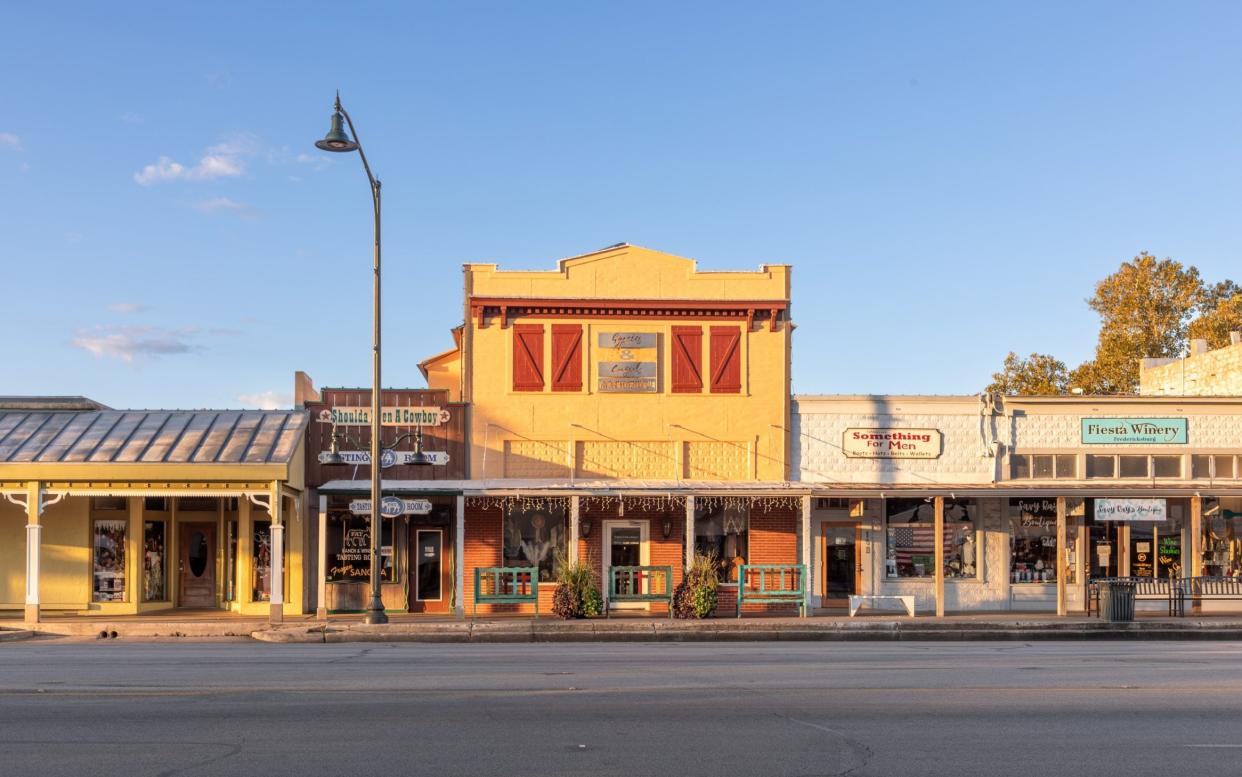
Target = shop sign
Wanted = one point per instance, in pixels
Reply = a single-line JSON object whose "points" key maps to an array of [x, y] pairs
{"points": [[1038, 513], [389, 416], [1131, 510], [892, 443], [389, 458], [392, 506], [1134, 431], [627, 363]]}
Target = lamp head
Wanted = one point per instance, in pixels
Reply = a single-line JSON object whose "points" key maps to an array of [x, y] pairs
{"points": [[337, 138]]}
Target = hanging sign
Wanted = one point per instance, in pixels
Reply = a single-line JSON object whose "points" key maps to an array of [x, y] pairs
{"points": [[627, 363], [1134, 431], [392, 506], [389, 416], [389, 458], [891, 443], [1131, 510]]}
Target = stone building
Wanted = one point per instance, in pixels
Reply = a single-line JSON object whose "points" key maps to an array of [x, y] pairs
{"points": [[1203, 373]]}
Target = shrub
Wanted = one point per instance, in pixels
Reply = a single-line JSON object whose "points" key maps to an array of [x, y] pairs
{"points": [[695, 596], [576, 595]]}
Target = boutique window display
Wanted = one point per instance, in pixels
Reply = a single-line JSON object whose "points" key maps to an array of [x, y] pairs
{"points": [[261, 562], [154, 561], [723, 530], [911, 541], [108, 558], [1222, 537], [534, 533], [1033, 542]]}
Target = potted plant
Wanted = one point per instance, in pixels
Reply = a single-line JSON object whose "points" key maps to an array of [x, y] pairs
{"points": [[696, 595], [575, 595]]}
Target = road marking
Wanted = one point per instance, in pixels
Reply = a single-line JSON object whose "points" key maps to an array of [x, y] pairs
{"points": [[1231, 747]]}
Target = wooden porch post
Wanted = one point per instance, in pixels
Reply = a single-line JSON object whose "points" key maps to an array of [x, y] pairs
{"points": [[1062, 534], [689, 533], [276, 576], [1196, 537], [573, 528], [34, 500], [804, 546], [459, 559], [939, 557], [321, 586]]}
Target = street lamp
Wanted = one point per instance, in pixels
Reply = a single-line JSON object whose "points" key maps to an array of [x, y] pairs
{"points": [[337, 140]]}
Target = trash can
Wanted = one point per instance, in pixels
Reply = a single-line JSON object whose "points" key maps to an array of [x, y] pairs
{"points": [[1117, 601]]}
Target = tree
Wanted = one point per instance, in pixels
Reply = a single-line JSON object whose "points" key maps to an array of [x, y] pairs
{"points": [[1037, 374], [1219, 314], [1145, 309]]}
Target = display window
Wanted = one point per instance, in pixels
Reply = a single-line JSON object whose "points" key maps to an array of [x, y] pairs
{"points": [[154, 561], [723, 531], [108, 559], [911, 538], [349, 548], [261, 562], [1222, 537], [534, 536]]}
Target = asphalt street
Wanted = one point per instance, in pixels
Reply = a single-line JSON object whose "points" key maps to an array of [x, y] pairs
{"points": [[890, 709]]}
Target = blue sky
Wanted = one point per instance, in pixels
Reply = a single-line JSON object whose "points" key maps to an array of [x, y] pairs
{"points": [[948, 179]]}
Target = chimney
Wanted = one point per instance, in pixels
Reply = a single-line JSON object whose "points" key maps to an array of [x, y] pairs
{"points": [[1198, 346], [1235, 338], [303, 389]]}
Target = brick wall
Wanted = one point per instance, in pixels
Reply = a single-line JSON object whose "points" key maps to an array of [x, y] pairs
{"points": [[661, 552], [773, 540]]}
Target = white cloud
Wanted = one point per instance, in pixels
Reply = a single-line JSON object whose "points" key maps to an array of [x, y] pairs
{"points": [[314, 161], [225, 205], [126, 343], [127, 307], [10, 140], [267, 400], [223, 160]]}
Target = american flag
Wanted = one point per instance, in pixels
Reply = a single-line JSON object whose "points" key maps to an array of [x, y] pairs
{"points": [[918, 540]]}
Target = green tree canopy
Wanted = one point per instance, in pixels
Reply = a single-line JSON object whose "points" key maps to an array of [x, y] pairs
{"points": [[1149, 307]]}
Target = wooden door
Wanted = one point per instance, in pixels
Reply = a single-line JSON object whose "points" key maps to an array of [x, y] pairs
{"points": [[431, 584], [198, 565], [842, 565]]}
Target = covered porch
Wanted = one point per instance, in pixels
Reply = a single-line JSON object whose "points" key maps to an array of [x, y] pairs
{"points": [[113, 513]]}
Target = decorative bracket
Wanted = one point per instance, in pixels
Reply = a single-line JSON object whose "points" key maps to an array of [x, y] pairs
{"points": [[15, 499], [24, 502], [261, 500]]}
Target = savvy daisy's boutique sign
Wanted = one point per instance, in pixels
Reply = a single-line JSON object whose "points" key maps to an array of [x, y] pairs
{"points": [[1134, 431], [1131, 510], [892, 443]]}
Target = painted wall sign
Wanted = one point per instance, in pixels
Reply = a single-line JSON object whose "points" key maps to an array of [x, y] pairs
{"points": [[627, 363], [391, 507], [1131, 510], [892, 443], [1038, 513], [389, 416], [1135, 431], [349, 550]]}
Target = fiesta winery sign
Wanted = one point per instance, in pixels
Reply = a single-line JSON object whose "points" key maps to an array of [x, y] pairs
{"points": [[892, 443]]}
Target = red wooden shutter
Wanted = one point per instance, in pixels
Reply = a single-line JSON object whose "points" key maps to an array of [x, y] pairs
{"points": [[726, 348], [566, 357], [528, 357], [687, 360]]}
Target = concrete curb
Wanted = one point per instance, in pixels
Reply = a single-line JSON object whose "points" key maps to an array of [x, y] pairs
{"points": [[745, 631], [13, 635]]}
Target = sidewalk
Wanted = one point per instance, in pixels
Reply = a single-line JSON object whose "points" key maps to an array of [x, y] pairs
{"points": [[630, 628]]}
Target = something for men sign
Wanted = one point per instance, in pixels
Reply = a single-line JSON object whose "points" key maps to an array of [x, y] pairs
{"points": [[1131, 510], [891, 443]]}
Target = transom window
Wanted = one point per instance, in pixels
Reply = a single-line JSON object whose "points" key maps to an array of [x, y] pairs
{"points": [[1133, 465], [1043, 466], [1213, 466]]}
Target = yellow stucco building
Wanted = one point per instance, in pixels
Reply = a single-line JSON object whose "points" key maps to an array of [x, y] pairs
{"points": [[623, 363], [115, 512]]}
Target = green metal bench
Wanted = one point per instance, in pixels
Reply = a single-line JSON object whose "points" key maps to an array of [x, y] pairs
{"points": [[635, 584], [506, 585], [776, 584]]}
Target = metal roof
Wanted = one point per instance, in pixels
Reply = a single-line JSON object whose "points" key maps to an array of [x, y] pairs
{"points": [[151, 436]]}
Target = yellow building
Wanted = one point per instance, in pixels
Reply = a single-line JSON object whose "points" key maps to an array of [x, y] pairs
{"points": [[627, 410], [129, 511], [623, 363]]}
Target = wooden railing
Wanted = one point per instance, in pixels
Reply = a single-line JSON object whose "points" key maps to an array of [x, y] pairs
{"points": [[506, 585], [772, 584]]}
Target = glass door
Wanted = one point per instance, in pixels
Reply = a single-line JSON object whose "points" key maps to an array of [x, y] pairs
{"points": [[841, 564]]}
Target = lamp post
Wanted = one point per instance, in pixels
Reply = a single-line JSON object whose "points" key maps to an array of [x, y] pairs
{"points": [[337, 140]]}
